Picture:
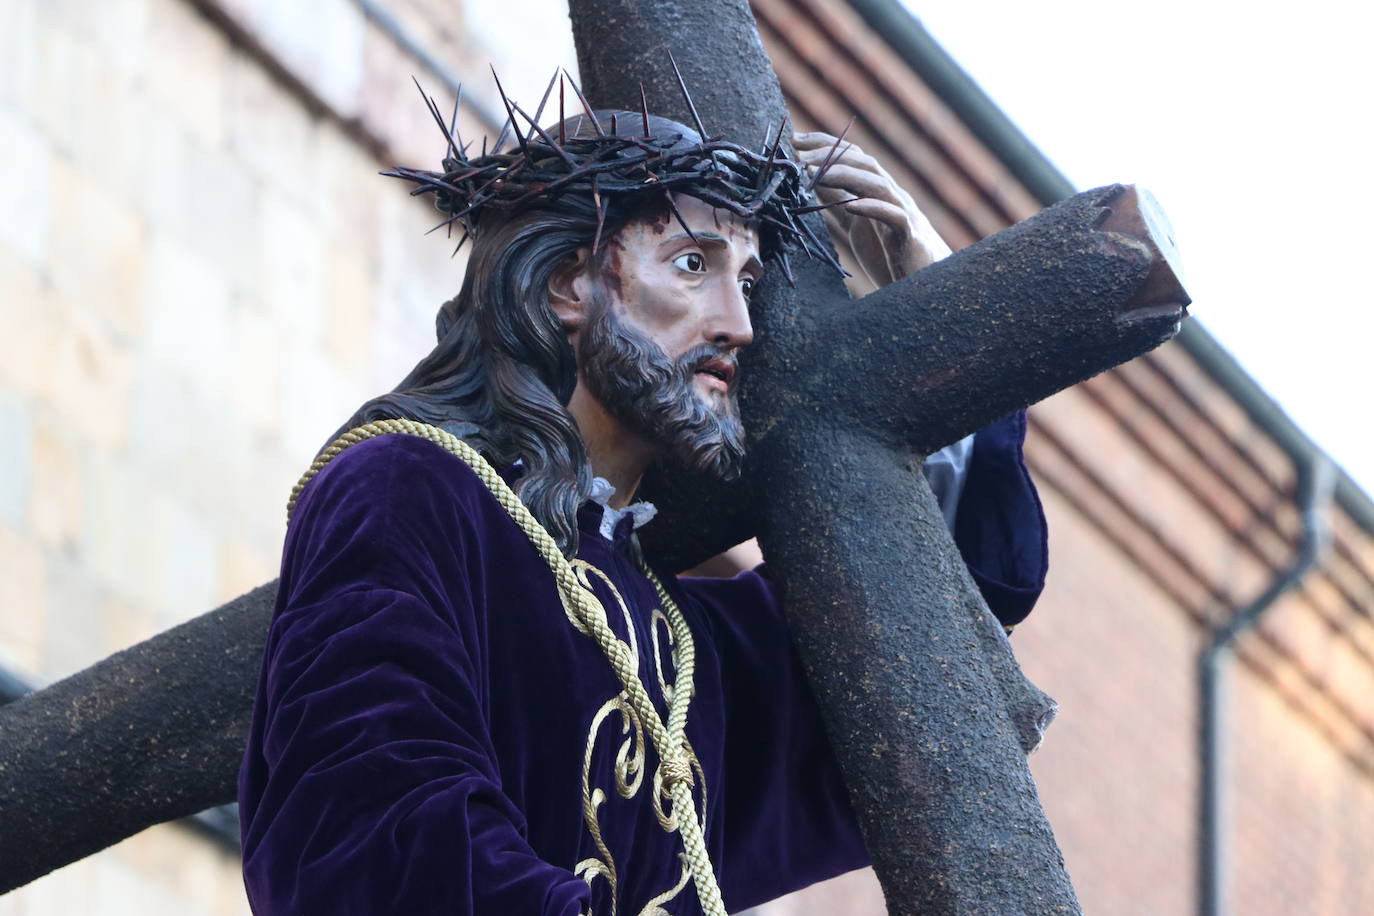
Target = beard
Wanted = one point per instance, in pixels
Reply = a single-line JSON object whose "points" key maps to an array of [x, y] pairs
{"points": [[656, 397]]}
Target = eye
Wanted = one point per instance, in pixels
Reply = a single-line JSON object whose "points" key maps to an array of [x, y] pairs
{"points": [[692, 262], [746, 286]]}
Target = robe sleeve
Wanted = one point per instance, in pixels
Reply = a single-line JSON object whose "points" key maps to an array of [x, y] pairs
{"points": [[370, 784], [1000, 527], [788, 820]]}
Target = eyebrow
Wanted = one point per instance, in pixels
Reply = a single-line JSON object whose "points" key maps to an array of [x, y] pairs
{"points": [[713, 240]]}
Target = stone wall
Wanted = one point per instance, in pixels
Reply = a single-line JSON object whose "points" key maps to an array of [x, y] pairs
{"points": [[202, 277]]}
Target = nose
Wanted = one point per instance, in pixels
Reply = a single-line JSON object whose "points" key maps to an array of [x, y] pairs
{"points": [[729, 325]]}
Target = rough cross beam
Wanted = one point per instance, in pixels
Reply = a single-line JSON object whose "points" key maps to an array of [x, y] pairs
{"points": [[928, 712], [924, 703], [150, 734]]}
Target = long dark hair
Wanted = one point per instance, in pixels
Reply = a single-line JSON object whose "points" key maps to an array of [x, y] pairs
{"points": [[503, 369]]}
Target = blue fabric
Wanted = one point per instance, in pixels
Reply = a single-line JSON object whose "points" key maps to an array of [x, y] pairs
{"points": [[1000, 528], [426, 706]]}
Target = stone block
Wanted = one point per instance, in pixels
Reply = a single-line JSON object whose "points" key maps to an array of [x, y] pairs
{"points": [[253, 352], [16, 459], [414, 273], [292, 260], [87, 97], [24, 623], [219, 219], [202, 196], [348, 322], [95, 247], [169, 170], [118, 30], [542, 37], [109, 139], [126, 624], [317, 398], [189, 578], [71, 889], [69, 65], [187, 63], [19, 50], [66, 358], [88, 379], [75, 615], [146, 882], [394, 350], [391, 108], [270, 130], [124, 530], [24, 184], [349, 186], [261, 481], [243, 567], [57, 486], [331, 48], [186, 309], [30, 335]]}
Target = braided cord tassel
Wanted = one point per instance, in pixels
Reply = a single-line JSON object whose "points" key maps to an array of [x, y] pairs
{"points": [[669, 738]]}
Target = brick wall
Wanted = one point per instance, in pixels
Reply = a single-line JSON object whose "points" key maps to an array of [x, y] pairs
{"points": [[1145, 559]]}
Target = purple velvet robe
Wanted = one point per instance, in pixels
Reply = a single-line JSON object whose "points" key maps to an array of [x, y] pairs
{"points": [[433, 734]]}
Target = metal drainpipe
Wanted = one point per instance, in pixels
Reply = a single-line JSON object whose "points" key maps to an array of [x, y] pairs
{"points": [[1318, 483]]}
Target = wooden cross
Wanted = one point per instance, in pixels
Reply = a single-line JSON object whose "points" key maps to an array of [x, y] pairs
{"points": [[928, 712]]}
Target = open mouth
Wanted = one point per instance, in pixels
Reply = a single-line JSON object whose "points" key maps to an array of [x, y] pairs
{"points": [[720, 372]]}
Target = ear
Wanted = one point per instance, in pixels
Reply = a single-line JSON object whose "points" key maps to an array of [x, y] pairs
{"points": [[570, 287]]}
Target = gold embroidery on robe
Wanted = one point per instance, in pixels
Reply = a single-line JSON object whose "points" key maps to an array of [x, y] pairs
{"points": [[629, 761]]}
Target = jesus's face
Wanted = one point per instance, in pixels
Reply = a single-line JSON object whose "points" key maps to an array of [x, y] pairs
{"points": [[660, 346]]}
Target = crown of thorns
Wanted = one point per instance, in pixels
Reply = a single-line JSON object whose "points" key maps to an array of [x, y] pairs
{"points": [[768, 186]]}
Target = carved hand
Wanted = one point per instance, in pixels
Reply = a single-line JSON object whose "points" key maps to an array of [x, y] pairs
{"points": [[890, 237]]}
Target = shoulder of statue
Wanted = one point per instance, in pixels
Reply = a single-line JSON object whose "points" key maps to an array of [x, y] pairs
{"points": [[397, 475]]}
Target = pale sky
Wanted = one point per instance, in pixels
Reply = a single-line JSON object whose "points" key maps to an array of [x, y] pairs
{"points": [[1252, 125]]}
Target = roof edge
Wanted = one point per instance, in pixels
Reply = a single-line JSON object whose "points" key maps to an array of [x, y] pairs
{"points": [[962, 94], [900, 28], [1257, 403]]}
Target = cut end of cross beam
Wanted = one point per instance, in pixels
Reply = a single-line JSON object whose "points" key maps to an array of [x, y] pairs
{"points": [[1135, 214]]}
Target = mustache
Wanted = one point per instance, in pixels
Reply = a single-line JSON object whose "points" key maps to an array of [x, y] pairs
{"points": [[698, 358]]}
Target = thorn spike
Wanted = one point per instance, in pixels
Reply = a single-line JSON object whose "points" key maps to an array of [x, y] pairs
{"points": [[819, 207], [510, 115], [453, 121], [687, 97], [668, 199], [434, 113], [830, 156], [557, 148], [539, 112], [644, 110], [561, 116], [586, 106], [777, 143]]}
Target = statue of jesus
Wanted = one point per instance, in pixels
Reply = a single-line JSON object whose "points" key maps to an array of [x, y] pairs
{"points": [[479, 695]]}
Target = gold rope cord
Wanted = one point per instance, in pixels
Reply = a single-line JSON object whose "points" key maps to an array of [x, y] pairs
{"points": [[668, 738]]}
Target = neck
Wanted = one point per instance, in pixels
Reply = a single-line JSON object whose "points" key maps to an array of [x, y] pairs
{"points": [[615, 453]]}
